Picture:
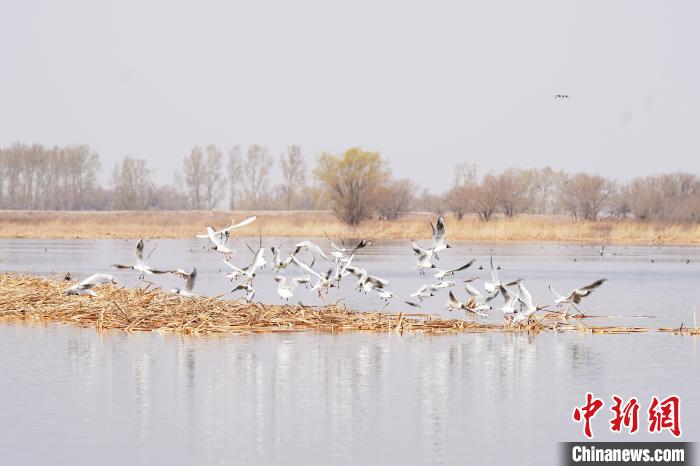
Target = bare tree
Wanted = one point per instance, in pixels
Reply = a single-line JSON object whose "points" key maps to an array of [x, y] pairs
{"points": [[586, 196], [512, 192], [484, 198], [193, 167], [458, 200], [395, 198], [257, 170], [234, 168], [133, 185], [293, 173], [214, 180]]}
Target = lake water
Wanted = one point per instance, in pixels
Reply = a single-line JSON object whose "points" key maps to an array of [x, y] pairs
{"points": [[72, 396]]}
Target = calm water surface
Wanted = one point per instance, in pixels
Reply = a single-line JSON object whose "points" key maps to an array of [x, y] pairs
{"points": [[73, 396]]}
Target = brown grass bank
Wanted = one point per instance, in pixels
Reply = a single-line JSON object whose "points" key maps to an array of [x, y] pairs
{"points": [[170, 224], [39, 298]]}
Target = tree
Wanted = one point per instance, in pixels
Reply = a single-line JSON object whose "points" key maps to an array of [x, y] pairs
{"points": [[352, 181], [193, 167], [293, 173], [484, 198], [256, 169], [458, 200], [586, 196], [511, 189], [234, 168], [214, 180], [395, 198], [133, 187]]}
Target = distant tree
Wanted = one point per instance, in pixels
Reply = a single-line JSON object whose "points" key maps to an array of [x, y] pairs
{"points": [[81, 174], [586, 196], [234, 168], [395, 198], [352, 181], [512, 189], [293, 174], [484, 198], [132, 184], [214, 180], [256, 169], [458, 200], [193, 168]]}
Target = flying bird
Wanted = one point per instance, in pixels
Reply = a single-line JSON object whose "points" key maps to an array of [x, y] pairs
{"points": [[446, 273], [439, 243], [423, 260], [575, 295], [190, 279], [86, 286], [454, 304], [248, 288], [141, 265], [285, 288]]}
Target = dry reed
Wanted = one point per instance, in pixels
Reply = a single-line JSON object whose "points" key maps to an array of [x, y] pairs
{"points": [[185, 224], [33, 297]]}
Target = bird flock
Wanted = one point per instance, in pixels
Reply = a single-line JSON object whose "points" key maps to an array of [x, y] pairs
{"points": [[517, 305]]}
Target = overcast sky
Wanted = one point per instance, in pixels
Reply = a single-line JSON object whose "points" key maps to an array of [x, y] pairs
{"points": [[428, 84]]}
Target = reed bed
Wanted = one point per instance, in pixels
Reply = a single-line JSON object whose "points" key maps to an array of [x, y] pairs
{"points": [[151, 309], [185, 224]]}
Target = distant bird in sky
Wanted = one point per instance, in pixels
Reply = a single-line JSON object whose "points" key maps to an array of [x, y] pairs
{"points": [[85, 287], [561, 96]]}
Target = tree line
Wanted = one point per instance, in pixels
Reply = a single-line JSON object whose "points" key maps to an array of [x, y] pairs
{"points": [[356, 185]]}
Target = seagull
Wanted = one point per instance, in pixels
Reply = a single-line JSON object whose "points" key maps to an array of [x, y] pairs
{"points": [[324, 280], [219, 241], [575, 295], [439, 243], [310, 246], [277, 263], [285, 288], [602, 250], [480, 302], [454, 304], [141, 265], [429, 289], [189, 282], [85, 287], [386, 295], [494, 285], [424, 256], [226, 231], [248, 288], [343, 270], [250, 270], [511, 300], [445, 273], [528, 307], [561, 96], [370, 282]]}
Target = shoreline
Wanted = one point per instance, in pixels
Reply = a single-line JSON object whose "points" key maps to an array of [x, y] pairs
{"points": [[316, 224], [30, 297]]}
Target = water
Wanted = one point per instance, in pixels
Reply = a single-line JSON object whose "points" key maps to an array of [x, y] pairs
{"points": [[73, 396]]}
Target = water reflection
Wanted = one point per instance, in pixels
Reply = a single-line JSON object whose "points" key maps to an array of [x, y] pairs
{"points": [[312, 398]]}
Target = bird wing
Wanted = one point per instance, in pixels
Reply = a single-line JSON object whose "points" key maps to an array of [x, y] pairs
{"points": [[259, 260], [471, 290], [189, 281], [525, 296], [243, 223], [313, 247], [556, 294], [122, 266], [507, 295], [236, 269], [494, 274], [305, 267], [593, 285], [459, 269], [417, 249], [377, 282], [453, 302], [300, 281], [97, 279], [438, 232], [139, 252]]}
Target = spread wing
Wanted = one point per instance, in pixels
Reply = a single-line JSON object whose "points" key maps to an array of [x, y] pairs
{"points": [[594, 285], [139, 252], [377, 282], [245, 222], [313, 247], [97, 279], [465, 266], [189, 281]]}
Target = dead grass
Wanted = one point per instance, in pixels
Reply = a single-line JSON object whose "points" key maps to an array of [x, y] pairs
{"points": [[170, 224], [40, 298]]}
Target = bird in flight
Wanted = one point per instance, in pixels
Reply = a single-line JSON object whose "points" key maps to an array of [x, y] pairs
{"points": [[561, 96]]}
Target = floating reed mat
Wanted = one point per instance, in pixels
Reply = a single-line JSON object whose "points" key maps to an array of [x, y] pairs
{"points": [[34, 297]]}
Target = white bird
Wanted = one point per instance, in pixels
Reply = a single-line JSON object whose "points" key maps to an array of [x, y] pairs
{"points": [[439, 243], [480, 302], [141, 265], [370, 282], [424, 256], [440, 274], [248, 288], [454, 304], [429, 289], [278, 263], [85, 287], [226, 231], [495, 284], [386, 295], [511, 300], [575, 295], [249, 271], [190, 279], [323, 283], [285, 288], [528, 307], [310, 246]]}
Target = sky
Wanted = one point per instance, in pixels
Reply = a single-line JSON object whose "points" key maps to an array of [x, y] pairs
{"points": [[427, 84]]}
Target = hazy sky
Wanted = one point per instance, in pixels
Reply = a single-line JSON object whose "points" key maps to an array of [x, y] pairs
{"points": [[427, 84]]}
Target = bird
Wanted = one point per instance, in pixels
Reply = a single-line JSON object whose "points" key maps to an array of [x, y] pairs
{"points": [[602, 250], [370, 282], [439, 243], [86, 286], [429, 289], [479, 301], [285, 288], [226, 231], [511, 300], [495, 284], [219, 241], [323, 282], [386, 295], [248, 288], [141, 265], [454, 304], [574, 297], [249, 271], [561, 96], [424, 255], [310, 246], [440, 274], [189, 282], [277, 263], [528, 307]]}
